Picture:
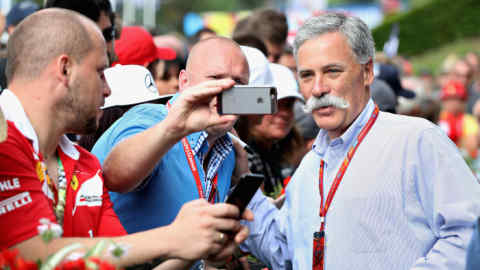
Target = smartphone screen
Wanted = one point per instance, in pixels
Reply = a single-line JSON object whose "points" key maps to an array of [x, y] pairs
{"points": [[243, 192]]}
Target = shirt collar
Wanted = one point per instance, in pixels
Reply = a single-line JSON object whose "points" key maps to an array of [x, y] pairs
{"points": [[14, 112], [322, 142]]}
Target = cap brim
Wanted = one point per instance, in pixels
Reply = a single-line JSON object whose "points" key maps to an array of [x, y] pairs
{"points": [[406, 93], [165, 53], [159, 100], [296, 95]]}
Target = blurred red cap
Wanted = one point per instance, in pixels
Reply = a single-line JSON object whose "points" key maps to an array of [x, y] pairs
{"points": [[136, 47], [453, 89]]}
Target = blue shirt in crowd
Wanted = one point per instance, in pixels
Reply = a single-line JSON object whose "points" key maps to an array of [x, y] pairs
{"points": [[171, 184]]}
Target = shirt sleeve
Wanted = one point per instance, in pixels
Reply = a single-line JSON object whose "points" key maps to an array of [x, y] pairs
{"points": [[22, 194], [267, 240], [449, 196], [134, 121], [109, 224]]}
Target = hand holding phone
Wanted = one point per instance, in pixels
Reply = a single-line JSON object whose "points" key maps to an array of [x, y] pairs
{"points": [[242, 193]]}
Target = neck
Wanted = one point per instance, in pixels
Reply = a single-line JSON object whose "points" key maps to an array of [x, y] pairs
{"points": [[211, 141]]}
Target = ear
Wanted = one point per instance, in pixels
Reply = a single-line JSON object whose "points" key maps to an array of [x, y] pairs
{"points": [[368, 73], [63, 69], [182, 80]]}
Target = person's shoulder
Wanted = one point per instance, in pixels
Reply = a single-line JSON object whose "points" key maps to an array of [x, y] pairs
{"points": [[402, 123], [141, 116], [15, 138], [150, 110]]}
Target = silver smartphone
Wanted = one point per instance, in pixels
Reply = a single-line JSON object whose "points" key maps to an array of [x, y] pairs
{"points": [[244, 99]]}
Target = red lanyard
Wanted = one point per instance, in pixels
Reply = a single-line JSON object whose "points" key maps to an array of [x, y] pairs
{"points": [[196, 175], [319, 237], [193, 167]]}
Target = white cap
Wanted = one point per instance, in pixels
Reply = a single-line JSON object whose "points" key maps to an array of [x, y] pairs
{"points": [[260, 74], [284, 81], [130, 84]]}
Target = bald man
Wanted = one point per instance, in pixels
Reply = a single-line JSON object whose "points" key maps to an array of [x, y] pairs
{"points": [[153, 183], [56, 60]]}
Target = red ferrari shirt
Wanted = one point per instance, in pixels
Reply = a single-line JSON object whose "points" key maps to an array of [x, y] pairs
{"points": [[25, 196]]}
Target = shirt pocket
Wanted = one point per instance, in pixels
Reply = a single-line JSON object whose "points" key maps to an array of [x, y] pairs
{"points": [[369, 223]]}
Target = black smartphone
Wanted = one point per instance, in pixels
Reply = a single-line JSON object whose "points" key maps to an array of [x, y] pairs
{"points": [[241, 194], [244, 99]]}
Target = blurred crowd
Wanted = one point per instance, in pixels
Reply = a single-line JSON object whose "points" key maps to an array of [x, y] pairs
{"points": [[152, 118]]}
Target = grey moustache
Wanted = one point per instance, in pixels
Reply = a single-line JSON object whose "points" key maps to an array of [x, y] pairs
{"points": [[324, 101]]}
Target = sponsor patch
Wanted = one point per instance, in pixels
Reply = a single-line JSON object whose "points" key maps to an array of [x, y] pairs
{"points": [[15, 202], [9, 184], [74, 182], [90, 193]]}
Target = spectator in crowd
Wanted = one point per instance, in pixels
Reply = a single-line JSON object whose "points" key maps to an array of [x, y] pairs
{"points": [[201, 165], [258, 66], [383, 95], [99, 11], [270, 26], [251, 40], [175, 41], [202, 34], [391, 75], [130, 85], [376, 191], [136, 47], [271, 137], [44, 175], [288, 60], [165, 73], [461, 127], [16, 14], [464, 73]]}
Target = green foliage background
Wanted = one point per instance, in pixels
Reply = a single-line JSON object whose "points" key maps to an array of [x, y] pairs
{"points": [[432, 25]]}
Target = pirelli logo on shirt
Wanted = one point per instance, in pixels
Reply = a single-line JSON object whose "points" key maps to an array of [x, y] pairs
{"points": [[15, 202], [9, 184]]}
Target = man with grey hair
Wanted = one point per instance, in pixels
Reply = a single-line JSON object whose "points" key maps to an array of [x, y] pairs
{"points": [[375, 191]]}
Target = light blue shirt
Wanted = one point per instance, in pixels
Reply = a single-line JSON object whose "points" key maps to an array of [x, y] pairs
{"points": [[406, 201]]}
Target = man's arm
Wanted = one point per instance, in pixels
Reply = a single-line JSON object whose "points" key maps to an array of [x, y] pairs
{"points": [[133, 159], [267, 239], [193, 235], [449, 195]]}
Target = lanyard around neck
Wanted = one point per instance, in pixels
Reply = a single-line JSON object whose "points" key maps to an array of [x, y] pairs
{"points": [[61, 191], [343, 168], [194, 169]]}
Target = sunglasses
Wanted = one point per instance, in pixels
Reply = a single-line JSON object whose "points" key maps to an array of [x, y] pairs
{"points": [[109, 33]]}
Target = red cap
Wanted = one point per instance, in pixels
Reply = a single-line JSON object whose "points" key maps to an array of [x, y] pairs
{"points": [[454, 89], [136, 47]]}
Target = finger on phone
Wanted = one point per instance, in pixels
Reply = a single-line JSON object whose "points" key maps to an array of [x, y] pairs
{"points": [[225, 210], [248, 215], [241, 235]]}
